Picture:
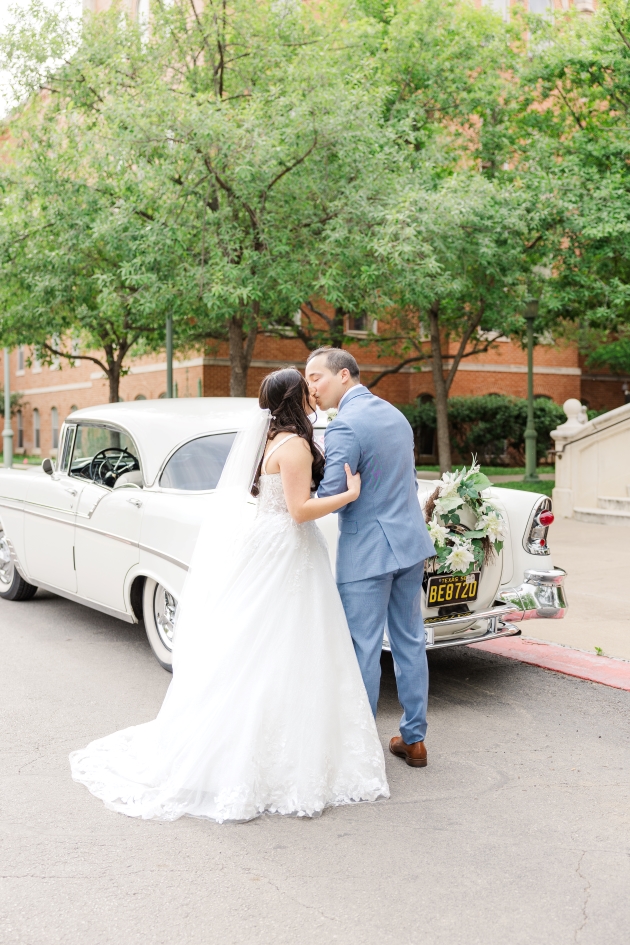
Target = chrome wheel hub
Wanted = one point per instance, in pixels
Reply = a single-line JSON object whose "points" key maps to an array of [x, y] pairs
{"points": [[164, 607], [6, 562]]}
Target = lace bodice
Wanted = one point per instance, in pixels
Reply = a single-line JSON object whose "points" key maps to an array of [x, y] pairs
{"points": [[271, 495]]}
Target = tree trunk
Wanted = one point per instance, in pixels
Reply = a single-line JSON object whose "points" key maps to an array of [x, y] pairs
{"points": [[113, 376], [441, 392], [241, 350]]}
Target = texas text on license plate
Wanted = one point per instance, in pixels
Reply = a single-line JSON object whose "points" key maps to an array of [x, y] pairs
{"points": [[451, 588]]}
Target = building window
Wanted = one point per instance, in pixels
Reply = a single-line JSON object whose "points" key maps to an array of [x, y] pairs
{"points": [[360, 324], [357, 324], [20, 366], [140, 397], [36, 365], [54, 426], [20, 430], [36, 430]]}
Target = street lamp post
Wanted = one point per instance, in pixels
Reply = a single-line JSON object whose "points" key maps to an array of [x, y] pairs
{"points": [[7, 433], [169, 355], [531, 313]]}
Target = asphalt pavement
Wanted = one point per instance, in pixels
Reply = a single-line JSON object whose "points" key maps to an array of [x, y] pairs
{"points": [[517, 832]]}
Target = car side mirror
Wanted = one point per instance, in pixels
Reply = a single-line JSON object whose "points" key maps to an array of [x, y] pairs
{"points": [[48, 466]]}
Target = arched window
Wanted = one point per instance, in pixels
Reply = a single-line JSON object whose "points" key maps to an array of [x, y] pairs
{"points": [[20, 430], [54, 427], [36, 430], [73, 408], [20, 366], [140, 397]]}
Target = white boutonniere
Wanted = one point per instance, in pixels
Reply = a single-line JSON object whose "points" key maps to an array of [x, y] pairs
{"points": [[331, 414]]}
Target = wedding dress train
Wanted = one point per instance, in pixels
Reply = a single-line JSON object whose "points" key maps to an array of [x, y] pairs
{"points": [[267, 711]]}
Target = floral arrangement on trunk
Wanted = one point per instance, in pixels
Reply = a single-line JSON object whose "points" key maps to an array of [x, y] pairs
{"points": [[466, 528]]}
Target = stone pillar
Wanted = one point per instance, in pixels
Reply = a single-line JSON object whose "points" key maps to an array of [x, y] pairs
{"points": [[563, 492]]}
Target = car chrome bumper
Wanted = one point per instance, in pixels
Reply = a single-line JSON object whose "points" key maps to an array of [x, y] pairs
{"points": [[541, 594], [493, 625]]}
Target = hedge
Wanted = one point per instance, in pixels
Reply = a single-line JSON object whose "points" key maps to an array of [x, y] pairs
{"points": [[491, 427]]}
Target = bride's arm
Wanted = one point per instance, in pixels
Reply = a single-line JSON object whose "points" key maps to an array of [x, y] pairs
{"points": [[296, 468]]}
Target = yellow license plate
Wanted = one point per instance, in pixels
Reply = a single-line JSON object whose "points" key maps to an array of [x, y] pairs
{"points": [[452, 588]]}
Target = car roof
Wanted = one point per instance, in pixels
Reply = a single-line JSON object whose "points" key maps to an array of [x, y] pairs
{"points": [[159, 426]]}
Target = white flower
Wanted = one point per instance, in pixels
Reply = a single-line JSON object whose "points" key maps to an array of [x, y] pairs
{"points": [[438, 533], [460, 557], [449, 484], [331, 414], [492, 524]]}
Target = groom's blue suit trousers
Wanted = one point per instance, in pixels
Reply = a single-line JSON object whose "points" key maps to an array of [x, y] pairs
{"points": [[395, 598]]}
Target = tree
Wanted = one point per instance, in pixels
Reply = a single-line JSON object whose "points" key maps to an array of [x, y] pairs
{"points": [[234, 132], [577, 121], [84, 272]]}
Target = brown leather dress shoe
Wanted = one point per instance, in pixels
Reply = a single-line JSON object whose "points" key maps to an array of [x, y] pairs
{"points": [[415, 755]]}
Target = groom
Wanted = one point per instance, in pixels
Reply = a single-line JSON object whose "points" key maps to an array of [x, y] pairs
{"points": [[383, 539]]}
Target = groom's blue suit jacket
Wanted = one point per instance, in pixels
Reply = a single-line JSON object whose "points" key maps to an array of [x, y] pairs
{"points": [[384, 530]]}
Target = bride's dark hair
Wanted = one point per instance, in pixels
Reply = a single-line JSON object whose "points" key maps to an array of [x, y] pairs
{"points": [[284, 393]]}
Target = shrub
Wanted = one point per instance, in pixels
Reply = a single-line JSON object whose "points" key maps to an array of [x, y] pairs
{"points": [[492, 427]]}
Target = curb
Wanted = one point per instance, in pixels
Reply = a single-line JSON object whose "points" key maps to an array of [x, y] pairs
{"points": [[562, 659]]}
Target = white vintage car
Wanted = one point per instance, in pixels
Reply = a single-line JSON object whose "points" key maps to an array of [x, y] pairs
{"points": [[113, 526]]}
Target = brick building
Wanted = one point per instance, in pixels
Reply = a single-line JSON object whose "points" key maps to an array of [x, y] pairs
{"points": [[49, 394]]}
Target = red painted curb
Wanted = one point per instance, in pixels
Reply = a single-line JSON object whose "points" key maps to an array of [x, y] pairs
{"points": [[562, 659]]}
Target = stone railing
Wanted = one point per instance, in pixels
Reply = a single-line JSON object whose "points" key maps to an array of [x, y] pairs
{"points": [[592, 458]]}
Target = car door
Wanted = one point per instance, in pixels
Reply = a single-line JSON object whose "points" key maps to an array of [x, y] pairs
{"points": [[108, 521], [49, 517]]}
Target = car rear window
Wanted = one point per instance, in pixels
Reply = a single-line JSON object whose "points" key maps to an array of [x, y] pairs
{"points": [[198, 465]]}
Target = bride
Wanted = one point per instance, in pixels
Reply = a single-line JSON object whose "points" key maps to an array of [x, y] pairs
{"points": [[267, 711]]}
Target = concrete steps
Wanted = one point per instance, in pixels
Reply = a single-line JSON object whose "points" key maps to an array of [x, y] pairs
{"points": [[601, 516], [611, 510], [613, 503]]}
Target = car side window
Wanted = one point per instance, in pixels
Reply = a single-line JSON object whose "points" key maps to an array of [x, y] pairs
{"points": [[197, 466], [104, 455]]}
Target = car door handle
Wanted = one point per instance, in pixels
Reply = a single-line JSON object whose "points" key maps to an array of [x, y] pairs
{"points": [[136, 502], [71, 491]]}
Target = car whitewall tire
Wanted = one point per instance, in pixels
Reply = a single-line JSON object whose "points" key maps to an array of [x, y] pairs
{"points": [[158, 609], [12, 584]]}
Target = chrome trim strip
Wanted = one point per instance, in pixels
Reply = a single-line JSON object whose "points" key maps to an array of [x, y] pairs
{"points": [[12, 504], [100, 531], [53, 518], [162, 554], [76, 599]]}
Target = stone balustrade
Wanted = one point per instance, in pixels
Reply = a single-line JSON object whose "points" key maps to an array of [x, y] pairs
{"points": [[593, 465]]}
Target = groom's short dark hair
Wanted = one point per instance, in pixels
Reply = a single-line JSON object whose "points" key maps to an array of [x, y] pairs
{"points": [[336, 360]]}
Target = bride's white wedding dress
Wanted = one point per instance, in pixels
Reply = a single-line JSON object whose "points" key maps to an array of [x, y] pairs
{"points": [[267, 711]]}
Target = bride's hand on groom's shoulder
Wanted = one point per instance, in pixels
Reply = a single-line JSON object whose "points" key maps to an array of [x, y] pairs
{"points": [[354, 483]]}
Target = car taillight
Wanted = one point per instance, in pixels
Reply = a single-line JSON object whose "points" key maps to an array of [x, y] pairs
{"points": [[535, 537]]}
